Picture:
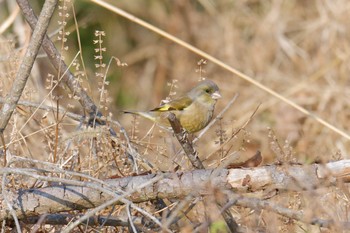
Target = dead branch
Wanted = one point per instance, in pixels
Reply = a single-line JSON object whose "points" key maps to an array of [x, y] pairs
{"points": [[55, 58], [70, 196]]}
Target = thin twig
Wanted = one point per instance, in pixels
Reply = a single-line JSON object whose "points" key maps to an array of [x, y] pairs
{"points": [[8, 204], [174, 217], [130, 220]]}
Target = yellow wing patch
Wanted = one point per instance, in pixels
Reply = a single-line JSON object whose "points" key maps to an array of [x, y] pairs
{"points": [[177, 104]]}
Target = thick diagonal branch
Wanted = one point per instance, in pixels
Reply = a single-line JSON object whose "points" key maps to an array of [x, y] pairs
{"points": [[27, 63], [55, 58]]}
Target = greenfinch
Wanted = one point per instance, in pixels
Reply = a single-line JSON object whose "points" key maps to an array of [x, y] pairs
{"points": [[194, 110]]}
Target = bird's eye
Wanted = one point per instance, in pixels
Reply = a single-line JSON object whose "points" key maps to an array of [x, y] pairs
{"points": [[207, 91]]}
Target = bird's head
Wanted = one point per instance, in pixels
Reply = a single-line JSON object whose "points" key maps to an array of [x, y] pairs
{"points": [[206, 92]]}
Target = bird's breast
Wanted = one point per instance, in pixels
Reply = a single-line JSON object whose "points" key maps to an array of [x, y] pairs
{"points": [[195, 117]]}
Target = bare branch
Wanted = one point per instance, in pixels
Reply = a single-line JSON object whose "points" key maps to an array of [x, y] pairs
{"points": [[34, 202], [27, 63]]}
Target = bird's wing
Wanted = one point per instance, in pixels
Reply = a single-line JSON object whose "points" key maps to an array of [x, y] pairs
{"points": [[177, 104]]}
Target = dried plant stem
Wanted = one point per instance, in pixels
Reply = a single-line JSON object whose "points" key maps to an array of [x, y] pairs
{"points": [[221, 64], [130, 220], [234, 134], [7, 23]]}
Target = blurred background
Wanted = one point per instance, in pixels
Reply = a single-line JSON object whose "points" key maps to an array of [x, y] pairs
{"points": [[298, 48]]}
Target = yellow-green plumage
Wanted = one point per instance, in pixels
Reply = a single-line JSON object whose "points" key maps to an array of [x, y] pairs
{"points": [[194, 109]]}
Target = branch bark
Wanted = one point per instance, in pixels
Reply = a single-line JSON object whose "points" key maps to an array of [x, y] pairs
{"points": [[60, 198]]}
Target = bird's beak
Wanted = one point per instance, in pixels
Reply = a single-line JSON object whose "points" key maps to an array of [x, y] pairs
{"points": [[216, 95]]}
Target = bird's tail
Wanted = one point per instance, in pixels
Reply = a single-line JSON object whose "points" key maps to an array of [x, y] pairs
{"points": [[148, 115]]}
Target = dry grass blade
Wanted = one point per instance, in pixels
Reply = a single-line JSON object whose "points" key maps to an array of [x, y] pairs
{"points": [[7, 23]]}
